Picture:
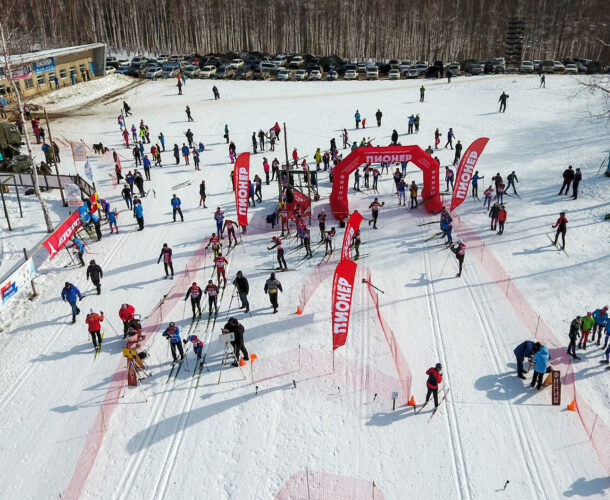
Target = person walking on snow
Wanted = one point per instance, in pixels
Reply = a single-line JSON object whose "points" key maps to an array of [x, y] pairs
{"points": [[488, 193], [586, 325], [176, 203], [450, 136], [194, 292], [576, 182], [502, 100], [458, 152], [202, 194], [512, 178], [216, 93], [524, 350], [475, 184], [573, 334], [501, 219], [188, 114], [277, 243], [460, 251], [437, 138], [378, 115], [95, 273], [562, 228], [211, 290], [138, 213], [69, 294], [80, 246], [166, 254], [93, 321], [449, 176], [542, 81], [493, 214], [422, 92], [272, 286], [435, 377], [243, 288], [322, 224], [172, 333], [375, 211], [601, 319], [540, 359], [357, 118], [219, 218], [328, 239]]}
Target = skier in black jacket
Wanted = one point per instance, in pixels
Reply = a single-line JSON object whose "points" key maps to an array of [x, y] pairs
{"points": [[502, 100], [378, 115], [576, 182], [458, 152], [95, 273], [243, 288], [233, 326], [176, 154]]}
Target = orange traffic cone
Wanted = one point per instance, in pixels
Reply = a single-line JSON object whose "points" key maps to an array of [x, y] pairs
{"points": [[299, 310], [412, 401], [242, 362], [572, 406]]}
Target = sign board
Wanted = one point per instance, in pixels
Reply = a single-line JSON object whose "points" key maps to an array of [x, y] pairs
{"points": [[20, 72], [73, 194], [556, 388], [16, 282], [43, 65]]}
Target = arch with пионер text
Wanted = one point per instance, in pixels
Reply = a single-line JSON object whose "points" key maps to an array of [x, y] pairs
{"points": [[392, 154]]}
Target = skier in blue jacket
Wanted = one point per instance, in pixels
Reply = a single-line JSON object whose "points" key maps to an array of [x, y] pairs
{"points": [[541, 358], [525, 350], [475, 184], [172, 333], [176, 207], [357, 118], [601, 319], [138, 213], [80, 246], [69, 294]]}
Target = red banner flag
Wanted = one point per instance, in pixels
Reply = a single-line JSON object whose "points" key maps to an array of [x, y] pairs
{"points": [[350, 230], [343, 287], [241, 177], [465, 171]]}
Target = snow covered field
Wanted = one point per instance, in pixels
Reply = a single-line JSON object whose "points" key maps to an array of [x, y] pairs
{"points": [[69, 428]]}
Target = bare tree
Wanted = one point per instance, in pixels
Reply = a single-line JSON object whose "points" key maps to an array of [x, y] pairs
{"points": [[6, 53]]}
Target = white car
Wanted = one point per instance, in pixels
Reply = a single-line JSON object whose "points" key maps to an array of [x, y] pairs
{"points": [[110, 69], [297, 62], [284, 75], [280, 60], [394, 74], [412, 73], [237, 63], [332, 75], [350, 74], [526, 67], [300, 75], [455, 68], [571, 69], [421, 68], [153, 73], [372, 72], [163, 58], [192, 71], [559, 67], [208, 71], [315, 75], [404, 68]]}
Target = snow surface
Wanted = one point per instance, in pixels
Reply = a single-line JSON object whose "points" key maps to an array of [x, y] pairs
{"points": [[223, 440]]}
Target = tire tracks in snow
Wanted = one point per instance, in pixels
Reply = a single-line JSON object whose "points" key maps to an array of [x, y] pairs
{"points": [[462, 480]]}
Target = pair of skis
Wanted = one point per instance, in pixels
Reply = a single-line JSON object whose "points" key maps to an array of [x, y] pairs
{"points": [[556, 244], [99, 347], [446, 391]]}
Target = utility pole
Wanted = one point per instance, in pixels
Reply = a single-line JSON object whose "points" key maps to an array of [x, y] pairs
{"points": [[61, 188], [9, 75]]}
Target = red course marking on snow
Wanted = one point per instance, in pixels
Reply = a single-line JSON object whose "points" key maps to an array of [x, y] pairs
{"points": [[323, 485], [150, 325]]}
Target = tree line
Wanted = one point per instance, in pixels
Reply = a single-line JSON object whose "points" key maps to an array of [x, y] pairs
{"points": [[418, 29]]}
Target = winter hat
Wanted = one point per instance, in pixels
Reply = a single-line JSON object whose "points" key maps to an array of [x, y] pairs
{"points": [[91, 311], [438, 366]]}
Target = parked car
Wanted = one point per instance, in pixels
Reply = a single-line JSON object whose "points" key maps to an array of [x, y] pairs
{"points": [[571, 69], [421, 68], [112, 62], [163, 58], [243, 73], [476, 69], [154, 73], [315, 74], [300, 75], [284, 74], [175, 57], [225, 71], [526, 67], [547, 66], [237, 63], [109, 70], [170, 69], [137, 69], [260, 74], [269, 67], [361, 68], [559, 67], [332, 75], [138, 60], [372, 72], [192, 71], [297, 62], [208, 71], [455, 68], [123, 67], [412, 73], [350, 74], [280, 60], [404, 68], [394, 74]]}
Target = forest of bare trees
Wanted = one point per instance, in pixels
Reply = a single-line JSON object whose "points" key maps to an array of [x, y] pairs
{"points": [[420, 29]]}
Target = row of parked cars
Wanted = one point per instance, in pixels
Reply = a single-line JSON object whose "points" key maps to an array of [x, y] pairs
{"points": [[307, 67]]}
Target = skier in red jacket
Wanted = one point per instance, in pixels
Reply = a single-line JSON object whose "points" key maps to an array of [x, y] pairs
{"points": [[562, 227], [93, 321], [435, 377]]}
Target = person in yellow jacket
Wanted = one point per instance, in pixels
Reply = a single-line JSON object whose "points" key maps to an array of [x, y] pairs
{"points": [[585, 327], [318, 158]]}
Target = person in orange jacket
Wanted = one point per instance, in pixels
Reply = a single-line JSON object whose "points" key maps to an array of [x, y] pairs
{"points": [[435, 377], [501, 219], [126, 313], [93, 321]]}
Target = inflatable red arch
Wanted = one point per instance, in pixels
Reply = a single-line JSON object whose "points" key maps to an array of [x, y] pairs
{"points": [[392, 154]]}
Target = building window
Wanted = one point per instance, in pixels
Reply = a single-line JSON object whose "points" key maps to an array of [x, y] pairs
{"points": [[51, 76], [63, 74], [29, 83], [81, 67], [72, 70], [41, 79], [2, 90]]}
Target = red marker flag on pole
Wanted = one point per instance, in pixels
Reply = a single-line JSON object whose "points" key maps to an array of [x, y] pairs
{"points": [[465, 171], [241, 178], [350, 230], [343, 287]]}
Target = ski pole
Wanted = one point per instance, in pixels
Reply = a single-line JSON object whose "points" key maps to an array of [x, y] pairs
{"points": [[113, 328], [443, 268], [184, 309], [186, 358]]}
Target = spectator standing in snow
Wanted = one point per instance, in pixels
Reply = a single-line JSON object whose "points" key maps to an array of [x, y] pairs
{"points": [[541, 358]]}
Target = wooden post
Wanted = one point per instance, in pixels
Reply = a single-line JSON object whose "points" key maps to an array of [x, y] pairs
{"points": [[61, 189], [4, 205], [34, 294]]}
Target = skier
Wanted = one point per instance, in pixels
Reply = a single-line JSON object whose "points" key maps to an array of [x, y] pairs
{"points": [[194, 292], [488, 193], [189, 138], [237, 330], [449, 176], [126, 313], [422, 91], [376, 175], [356, 243], [216, 244], [493, 214], [542, 81], [226, 133], [458, 152], [357, 118], [437, 138], [601, 319], [277, 243], [175, 202], [540, 359], [575, 183], [220, 262], [586, 325], [525, 350], [94, 271], [501, 219], [573, 334], [166, 254], [230, 226], [211, 290], [137, 155], [460, 251], [475, 183], [172, 333], [450, 136], [413, 191], [561, 225], [162, 140], [446, 225], [402, 192], [126, 109], [219, 218], [258, 182], [179, 85], [435, 377], [345, 137], [93, 321], [197, 347], [512, 178], [329, 241], [322, 224], [112, 220], [77, 243], [272, 286], [243, 288], [378, 115], [202, 194], [146, 168], [138, 213], [357, 180], [254, 142], [69, 294], [375, 211], [502, 100], [394, 138], [216, 93], [126, 137], [307, 242], [189, 118]]}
